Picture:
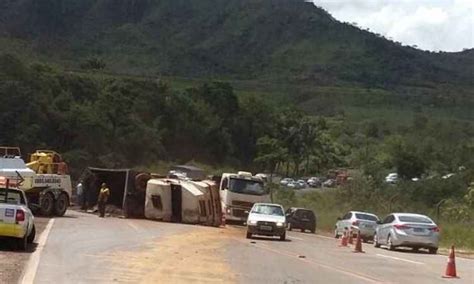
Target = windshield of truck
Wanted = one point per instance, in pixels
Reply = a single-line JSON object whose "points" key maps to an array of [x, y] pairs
{"points": [[13, 197], [245, 186], [268, 210]]}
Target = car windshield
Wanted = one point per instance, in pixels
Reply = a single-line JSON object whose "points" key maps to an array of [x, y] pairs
{"points": [[268, 210], [305, 214], [366, 217], [247, 186], [13, 197], [415, 219]]}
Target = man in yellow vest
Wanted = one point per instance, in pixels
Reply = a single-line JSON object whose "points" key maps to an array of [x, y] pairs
{"points": [[104, 194]]}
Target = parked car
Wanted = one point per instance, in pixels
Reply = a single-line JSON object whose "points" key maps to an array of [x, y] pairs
{"points": [[300, 184], [407, 230], [329, 183], [314, 182], [264, 177], [292, 184], [286, 181], [391, 178], [266, 219], [364, 222], [300, 218], [16, 221]]}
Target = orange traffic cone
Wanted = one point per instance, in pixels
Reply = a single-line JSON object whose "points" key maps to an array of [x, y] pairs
{"points": [[358, 246], [451, 266], [351, 239], [344, 240]]}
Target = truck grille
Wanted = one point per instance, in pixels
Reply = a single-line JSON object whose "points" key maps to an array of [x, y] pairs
{"points": [[242, 203], [239, 213]]}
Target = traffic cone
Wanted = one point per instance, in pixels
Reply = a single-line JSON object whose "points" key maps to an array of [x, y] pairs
{"points": [[344, 240], [358, 246], [451, 266], [351, 239]]}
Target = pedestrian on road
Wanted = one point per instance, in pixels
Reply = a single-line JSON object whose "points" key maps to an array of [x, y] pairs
{"points": [[80, 193], [103, 197]]}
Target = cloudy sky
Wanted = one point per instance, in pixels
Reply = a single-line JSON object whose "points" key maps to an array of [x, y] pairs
{"points": [[446, 25]]}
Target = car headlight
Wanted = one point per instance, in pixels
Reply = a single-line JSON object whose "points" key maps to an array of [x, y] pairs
{"points": [[252, 222], [228, 211], [280, 224]]}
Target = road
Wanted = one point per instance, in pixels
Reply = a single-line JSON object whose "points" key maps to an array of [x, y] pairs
{"points": [[83, 248]]}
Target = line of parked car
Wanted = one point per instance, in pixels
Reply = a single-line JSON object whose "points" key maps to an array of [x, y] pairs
{"points": [[309, 182], [395, 230]]}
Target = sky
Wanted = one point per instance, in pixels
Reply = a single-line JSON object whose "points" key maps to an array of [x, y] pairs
{"points": [[436, 25]]}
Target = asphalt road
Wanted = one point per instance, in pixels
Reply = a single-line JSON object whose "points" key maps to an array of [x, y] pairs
{"points": [[83, 248]]}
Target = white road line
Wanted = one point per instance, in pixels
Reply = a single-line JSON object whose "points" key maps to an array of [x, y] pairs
{"points": [[32, 265], [295, 238], [400, 259]]}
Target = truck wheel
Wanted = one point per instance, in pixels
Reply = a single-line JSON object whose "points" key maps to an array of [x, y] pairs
{"points": [[283, 237], [22, 244], [31, 237], [47, 204], [61, 204]]}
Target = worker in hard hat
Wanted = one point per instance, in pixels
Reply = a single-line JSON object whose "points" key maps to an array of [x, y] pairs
{"points": [[104, 194]]}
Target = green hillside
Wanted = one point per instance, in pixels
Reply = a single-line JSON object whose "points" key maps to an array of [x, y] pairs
{"points": [[249, 39]]}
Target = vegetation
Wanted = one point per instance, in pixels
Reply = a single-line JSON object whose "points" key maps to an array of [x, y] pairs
{"points": [[276, 86]]}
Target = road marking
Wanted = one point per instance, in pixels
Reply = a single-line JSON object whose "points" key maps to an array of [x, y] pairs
{"points": [[309, 261], [32, 265], [135, 227], [400, 259], [295, 238]]}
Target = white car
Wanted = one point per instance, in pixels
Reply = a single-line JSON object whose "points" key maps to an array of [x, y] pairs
{"points": [[266, 219], [391, 178], [362, 222], [286, 181], [16, 219]]}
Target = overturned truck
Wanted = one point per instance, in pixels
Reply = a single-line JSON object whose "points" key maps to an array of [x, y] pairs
{"points": [[183, 201], [127, 189]]}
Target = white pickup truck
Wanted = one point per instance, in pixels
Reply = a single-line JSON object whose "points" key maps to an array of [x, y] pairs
{"points": [[16, 219]]}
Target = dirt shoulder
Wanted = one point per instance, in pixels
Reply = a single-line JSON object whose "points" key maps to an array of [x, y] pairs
{"points": [[195, 256], [12, 261]]}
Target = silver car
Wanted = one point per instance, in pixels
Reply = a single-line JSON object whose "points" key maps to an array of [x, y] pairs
{"points": [[407, 230], [357, 221]]}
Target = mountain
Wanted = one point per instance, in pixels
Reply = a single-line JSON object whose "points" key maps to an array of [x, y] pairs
{"points": [[279, 40]]}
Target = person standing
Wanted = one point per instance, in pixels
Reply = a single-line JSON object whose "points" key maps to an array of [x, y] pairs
{"points": [[80, 193], [104, 194]]}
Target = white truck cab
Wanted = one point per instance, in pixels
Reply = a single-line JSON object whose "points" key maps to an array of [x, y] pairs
{"points": [[16, 219]]}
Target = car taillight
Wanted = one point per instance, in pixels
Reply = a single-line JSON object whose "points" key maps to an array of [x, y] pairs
{"points": [[355, 223], [401, 227], [435, 229], [20, 215]]}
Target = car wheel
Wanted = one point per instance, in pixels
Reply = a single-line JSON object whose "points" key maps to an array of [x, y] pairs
{"points": [[376, 243], [22, 244], [290, 227], [336, 235], [389, 243], [31, 237], [283, 237], [433, 250], [249, 235], [313, 231], [303, 230], [415, 249]]}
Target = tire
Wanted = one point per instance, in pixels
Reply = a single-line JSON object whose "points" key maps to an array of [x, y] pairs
{"points": [[283, 237], [376, 243], [313, 231], [32, 235], [389, 243], [47, 204], [302, 230], [61, 204], [22, 244], [433, 250], [415, 249], [290, 227], [336, 235], [249, 235]]}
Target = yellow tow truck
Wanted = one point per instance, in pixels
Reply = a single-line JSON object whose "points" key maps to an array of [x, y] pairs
{"points": [[44, 179]]}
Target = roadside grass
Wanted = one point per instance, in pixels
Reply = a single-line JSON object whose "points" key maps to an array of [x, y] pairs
{"points": [[328, 206]]}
